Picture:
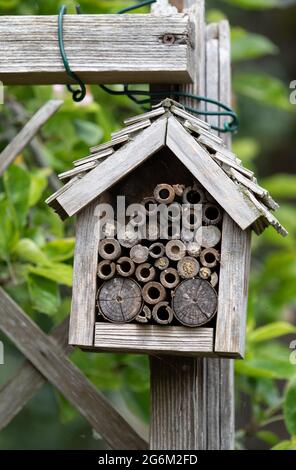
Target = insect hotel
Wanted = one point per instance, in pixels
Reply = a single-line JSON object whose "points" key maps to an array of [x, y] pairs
{"points": [[179, 288]]}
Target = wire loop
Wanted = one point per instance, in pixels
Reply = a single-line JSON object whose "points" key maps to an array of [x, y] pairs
{"points": [[79, 94]]}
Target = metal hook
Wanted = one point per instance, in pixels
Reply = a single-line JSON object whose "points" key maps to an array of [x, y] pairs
{"points": [[77, 94]]}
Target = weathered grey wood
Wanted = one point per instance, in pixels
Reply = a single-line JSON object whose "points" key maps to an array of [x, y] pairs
{"points": [[177, 403], [194, 302], [84, 278], [36, 145], [153, 339], [210, 175], [235, 251], [131, 129], [218, 373], [100, 48], [261, 192], [112, 143], [16, 393], [178, 387], [27, 133], [94, 157], [118, 165], [120, 300], [78, 170], [212, 90], [142, 117], [192, 399], [48, 357]]}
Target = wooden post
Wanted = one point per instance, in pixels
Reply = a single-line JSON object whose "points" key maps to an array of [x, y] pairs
{"points": [[192, 400]]}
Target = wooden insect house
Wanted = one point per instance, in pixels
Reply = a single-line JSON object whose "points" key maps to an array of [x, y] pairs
{"points": [[180, 285]]}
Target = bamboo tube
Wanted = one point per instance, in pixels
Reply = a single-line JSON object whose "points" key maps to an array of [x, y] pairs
{"points": [[145, 315], [109, 230], [205, 273], [193, 195], [125, 266], [188, 267], [128, 239], [175, 250], [173, 231], [153, 292], [145, 272], [109, 248], [179, 189], [191, 217], [193, 249], [162, 313], [214, 279], [187, 235], [157, 250], [106, 269], [212, 214], [169, 278], [209, 257], [174, 212], [150, 205], [164, 193], [120, 300], [139, 254], [162, 263], [208, 236], [152, 231]]}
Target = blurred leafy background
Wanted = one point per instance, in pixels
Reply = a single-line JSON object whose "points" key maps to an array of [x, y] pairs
{"points": [[36, 248]]}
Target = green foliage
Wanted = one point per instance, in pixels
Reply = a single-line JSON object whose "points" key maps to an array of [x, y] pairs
{"points": [[290, 407], [260, 4], [247, 45], [263, 88]]}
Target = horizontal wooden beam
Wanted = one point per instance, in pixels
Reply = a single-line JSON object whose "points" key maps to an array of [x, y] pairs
{"points": [[153, 339], [100, 48]]}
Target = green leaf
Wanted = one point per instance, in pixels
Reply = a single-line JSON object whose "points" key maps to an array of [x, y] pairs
{"points": [[281, 185], [290, 407], [44, 294], [38, 185], [261, 4], [246, 148], [58, 272], [214, 16], [286, 445], [246, 45], [9, 233], [28, 250], [271, 331], [265, 89], [267, 360], [60, 249], [267, 436], [88, 132], [17, 183], [8, 4]]}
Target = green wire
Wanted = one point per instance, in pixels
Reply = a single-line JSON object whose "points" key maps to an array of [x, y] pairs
{"points": [[79, 94]]}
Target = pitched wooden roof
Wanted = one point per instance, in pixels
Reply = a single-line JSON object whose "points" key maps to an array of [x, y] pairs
{"points": [[192, 141]]}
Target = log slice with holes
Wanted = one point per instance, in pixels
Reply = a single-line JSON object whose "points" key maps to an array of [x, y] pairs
{"points": [[120, 300], [194, 302]]}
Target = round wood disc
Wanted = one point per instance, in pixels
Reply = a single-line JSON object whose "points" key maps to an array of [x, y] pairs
{"points": [[195, 302], [120, 300]]}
